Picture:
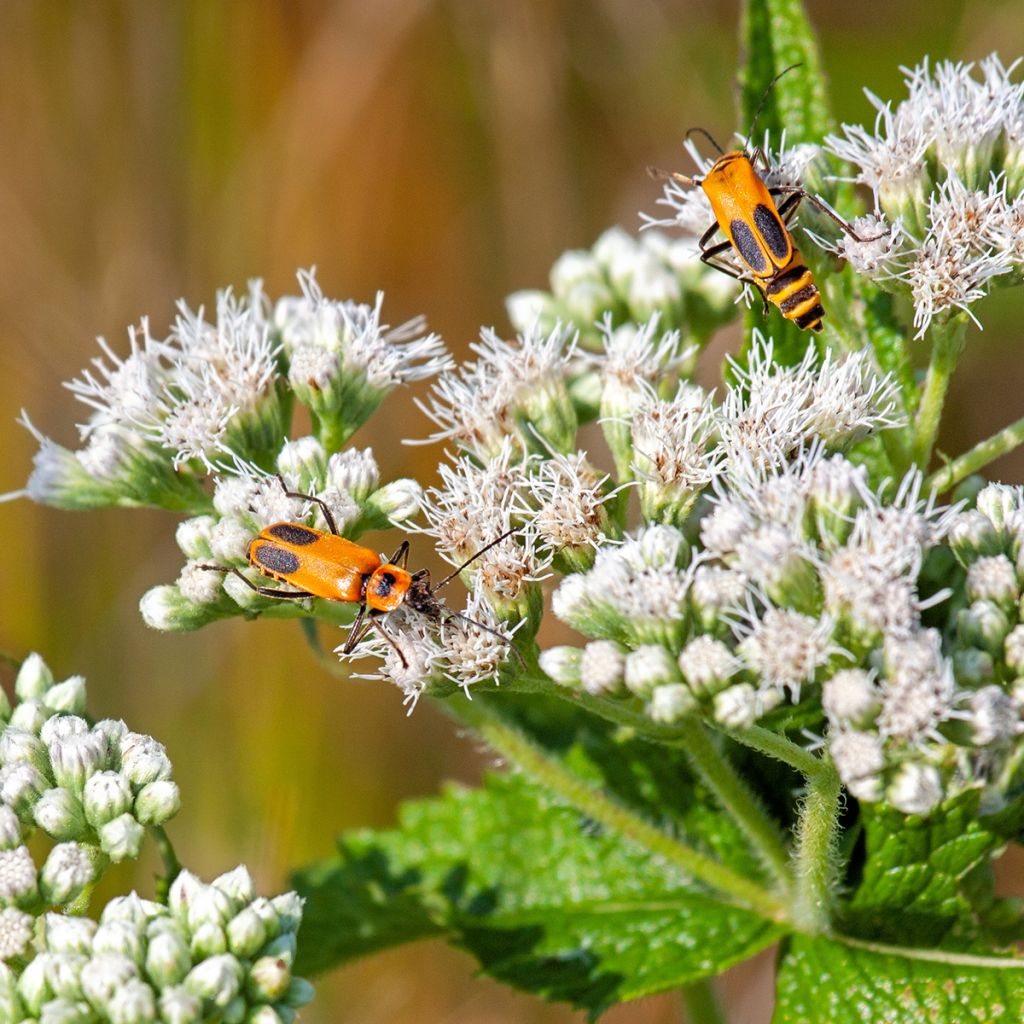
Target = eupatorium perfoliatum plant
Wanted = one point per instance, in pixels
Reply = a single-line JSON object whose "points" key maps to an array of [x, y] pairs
{"points": [[788, 704]]}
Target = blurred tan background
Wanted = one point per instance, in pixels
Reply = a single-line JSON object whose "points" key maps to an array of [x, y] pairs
{"points": [[446, 152]]}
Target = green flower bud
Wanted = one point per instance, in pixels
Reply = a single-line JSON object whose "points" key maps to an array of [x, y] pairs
{"points": [[983, 625], [915, 789], [269, 979], [973, 667], [107, 796], [648, 667], [157, 802], [208, 940], [60, 815], [66, 934], [562, 664], [21, 786], [75, 758], [972, 535], [246, 933], [10, 829], [68, 869], [121, 838], [167, 959], [671, 702], [30, 715], [603, 668], [217, 979], [104, 975], [67, 697], [33, 678], [179, 1006], [303, 462], [20, 745], [133, 1003]]}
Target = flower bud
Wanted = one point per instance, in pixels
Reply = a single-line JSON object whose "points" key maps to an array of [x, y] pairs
{"points": [[30, 715], [269, 979], [68, 869], [647, 667], [851, 698], [972, 535], [859, 759], [121, 838], [706, 664], [60, 815], [17, 877], [132, 1003], [997, 502], [738, 706], [21, 785], [103, 975], [107, 796], [303, 464], [67, 934], [33, 986], [157, 802], [603, 667], [993, 578], [995, 716], [983, 625], [33, 678], [67, 697], [973, 667], [179, 1006], [670, 703], [75, 758], [143, 760], [10, 829], [193, 537], [562, 664], [22, 746], [208, 940], [246, 933], [217, 979], [916, 789], [1013, 650]]}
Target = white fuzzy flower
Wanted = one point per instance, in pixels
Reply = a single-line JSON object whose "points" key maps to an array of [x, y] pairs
{"points": [[918, 689], [786, 648], [16, 928], [916, 789], [859, 758]]}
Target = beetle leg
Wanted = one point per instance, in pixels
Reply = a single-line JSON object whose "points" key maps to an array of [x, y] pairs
{"points": [[788, 206], [356, 632], [376, 624], [713, 258], [707, 236], [401, 556], [324, 508], [264, 591], [826, 209]]}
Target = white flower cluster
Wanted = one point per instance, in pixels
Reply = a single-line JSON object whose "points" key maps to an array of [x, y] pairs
{"points": [[216, 952], [91, 789], [946, 166], [630, 280], [248, 500], [216, 393], [806, 585]]}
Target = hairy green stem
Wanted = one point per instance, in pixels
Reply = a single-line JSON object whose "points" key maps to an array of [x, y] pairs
{"points": [[736, 797], [947, 344], [701, 1002], [515, 747], [815, 854], [771, 743], [977, 458]]}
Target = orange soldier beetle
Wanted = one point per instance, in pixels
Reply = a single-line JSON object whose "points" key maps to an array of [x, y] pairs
{"points": [[326, 565], [756, 231]]}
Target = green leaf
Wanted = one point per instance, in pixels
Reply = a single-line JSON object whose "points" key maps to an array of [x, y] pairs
{"points": [[777, 34], [546, 900], [821, 980], [925, 880]]}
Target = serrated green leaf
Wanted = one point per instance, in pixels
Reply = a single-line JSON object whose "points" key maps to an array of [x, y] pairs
{"points": [[821, 980], [545, 899], [922, 879]]}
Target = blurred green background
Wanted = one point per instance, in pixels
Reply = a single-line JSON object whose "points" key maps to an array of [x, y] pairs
{"points": [[446, 152]]}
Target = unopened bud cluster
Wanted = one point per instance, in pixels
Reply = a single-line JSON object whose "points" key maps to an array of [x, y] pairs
{"points": [[215, 952], [93, 789], [623, 280]]}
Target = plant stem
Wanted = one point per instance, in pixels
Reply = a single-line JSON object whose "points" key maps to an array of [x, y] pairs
{"points": [[515, 747], [701, 1003], [738, 800], [771, 743], [172, 865], [947, 344], [815, 859], [977, 457]]}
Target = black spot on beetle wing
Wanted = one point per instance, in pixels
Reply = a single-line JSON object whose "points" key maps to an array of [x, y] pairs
{"points": [[746, 245], [772, 231], [275, 559], [292, 533]]}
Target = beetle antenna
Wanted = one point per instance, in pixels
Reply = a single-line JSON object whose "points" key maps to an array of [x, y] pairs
{"points": [[659, 175], [472, 558], [764, 98], [707, 135]]}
